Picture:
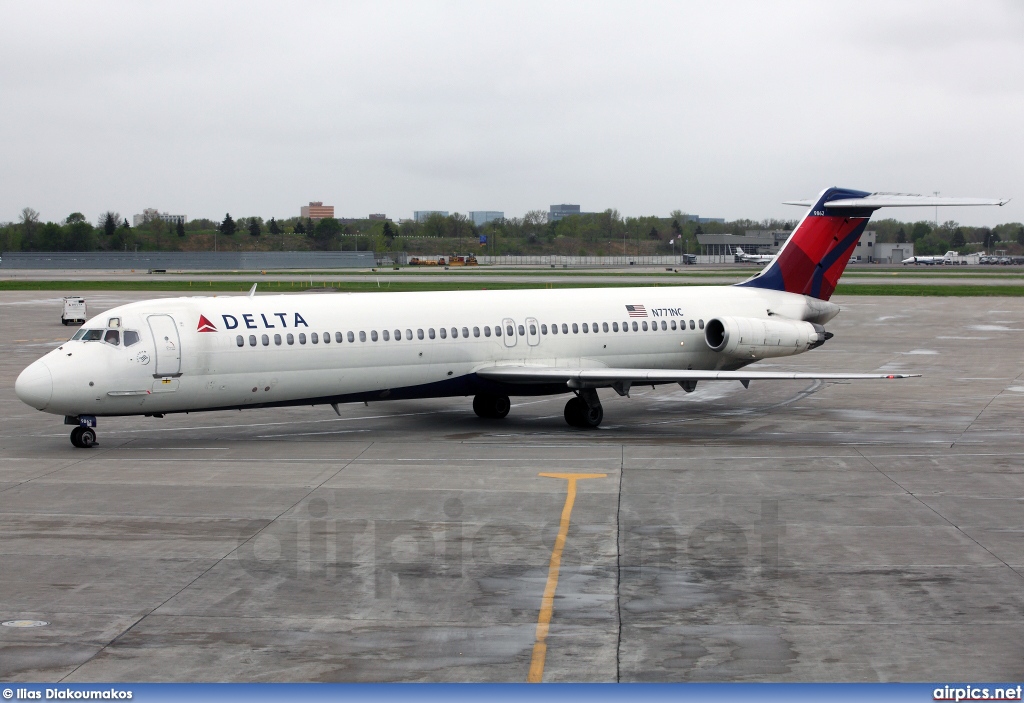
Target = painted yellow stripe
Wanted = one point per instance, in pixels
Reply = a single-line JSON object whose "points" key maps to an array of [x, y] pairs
{"points": [[547, 603]]}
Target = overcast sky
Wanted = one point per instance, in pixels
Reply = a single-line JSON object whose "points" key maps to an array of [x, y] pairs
{"points": [[722, 109]]}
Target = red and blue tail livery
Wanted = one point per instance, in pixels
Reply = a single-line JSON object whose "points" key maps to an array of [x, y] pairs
{"points": [[815, 255]]}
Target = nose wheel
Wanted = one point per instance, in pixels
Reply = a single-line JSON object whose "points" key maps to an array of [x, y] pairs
{"points": [[584, 410], [83, 437]]}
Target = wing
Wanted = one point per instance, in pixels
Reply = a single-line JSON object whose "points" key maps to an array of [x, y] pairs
{"points": [[577, 378]]}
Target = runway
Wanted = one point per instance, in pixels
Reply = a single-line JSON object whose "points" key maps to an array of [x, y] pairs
{"points": [[795, 531]]}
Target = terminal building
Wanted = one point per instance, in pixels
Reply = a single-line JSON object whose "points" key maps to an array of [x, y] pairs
{"points": [[759, 241], [316, 210]]}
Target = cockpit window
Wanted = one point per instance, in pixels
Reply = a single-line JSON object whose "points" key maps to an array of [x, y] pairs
{"points": [[112, 337], [92, 336], [79, 334], [130, 337]]}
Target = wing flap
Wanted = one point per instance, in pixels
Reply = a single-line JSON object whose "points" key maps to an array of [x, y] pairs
{"points": [[598, 378]]}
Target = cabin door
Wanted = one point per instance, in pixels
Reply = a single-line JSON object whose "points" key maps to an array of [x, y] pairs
{"points": [[532, 331], [166, 345], [509, 332]]}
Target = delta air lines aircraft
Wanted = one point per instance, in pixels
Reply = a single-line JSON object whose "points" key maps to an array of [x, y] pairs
{"points": [[225, 353]]}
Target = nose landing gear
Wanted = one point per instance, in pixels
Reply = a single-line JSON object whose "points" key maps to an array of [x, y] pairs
{"points": [[584, 410], [83, 437]]}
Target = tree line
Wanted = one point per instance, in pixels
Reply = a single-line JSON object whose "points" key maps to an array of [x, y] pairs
{"points": [[604, 233]]}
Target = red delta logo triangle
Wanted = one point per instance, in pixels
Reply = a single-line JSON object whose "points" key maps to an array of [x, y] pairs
{"points": [[205, 325]]}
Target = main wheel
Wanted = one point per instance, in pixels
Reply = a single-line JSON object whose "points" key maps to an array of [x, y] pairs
{"points": [[579, 414], [492, 407]]}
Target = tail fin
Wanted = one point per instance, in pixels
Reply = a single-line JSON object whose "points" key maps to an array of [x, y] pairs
{"points": [[815, 255]]}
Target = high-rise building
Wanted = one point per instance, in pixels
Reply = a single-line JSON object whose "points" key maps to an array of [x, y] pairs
{"points": [[316, 210], [422, 215], [557, 212], [482, 217]]}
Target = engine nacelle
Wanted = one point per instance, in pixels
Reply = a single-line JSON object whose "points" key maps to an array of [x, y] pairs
{"points": [[756, 338]]}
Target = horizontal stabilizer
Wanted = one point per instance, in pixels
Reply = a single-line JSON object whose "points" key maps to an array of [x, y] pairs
{"points": [[878, 200], [598, 378]]}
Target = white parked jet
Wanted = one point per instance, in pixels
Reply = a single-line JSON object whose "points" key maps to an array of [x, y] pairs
{"points": [[743, 257], [949, 258], [220, 353]]}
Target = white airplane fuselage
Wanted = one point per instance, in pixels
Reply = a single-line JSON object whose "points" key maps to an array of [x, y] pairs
{"points": [[271, 350]]}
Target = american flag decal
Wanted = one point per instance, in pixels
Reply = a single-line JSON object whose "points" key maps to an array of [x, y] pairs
{"points": [[636, 310]]}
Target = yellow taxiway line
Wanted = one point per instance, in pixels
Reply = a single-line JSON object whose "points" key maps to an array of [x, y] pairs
{"points": [[547, 603]]}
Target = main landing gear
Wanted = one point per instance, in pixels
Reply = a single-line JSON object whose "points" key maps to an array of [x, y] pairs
{"points": [[492, 407], [584, 410], [83, 437]]}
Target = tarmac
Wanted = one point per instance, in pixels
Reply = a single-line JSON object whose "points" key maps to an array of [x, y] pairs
{"points": [[795, 531]]}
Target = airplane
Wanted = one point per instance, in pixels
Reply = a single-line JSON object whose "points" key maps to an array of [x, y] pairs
{"points": [[950, 258], [743, 257], [236, 352]]}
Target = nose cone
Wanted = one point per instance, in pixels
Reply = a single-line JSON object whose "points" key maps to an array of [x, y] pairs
{"points": [[35, 385]]}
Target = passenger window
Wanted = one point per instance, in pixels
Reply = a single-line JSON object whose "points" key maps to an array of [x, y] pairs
{"points": [[337, 337], [604, 326], [465, 332], [673, 324], [644, 325], [419, 334], [575, 328], [131, 337], [362, 336], [565, 328], [240, 341], [277, 339], [373, 335], [635, 327], [398, 335], [327, 337], [302, 337], [78, 335], [314, 338], [252, 340], [351, 337], [586, 328], [444, 333], [476, 331], [533, 329], [615, 327], [408, 335], [430, 332], [487, 331], [522, 330], [593, 326], [664, 326], [543, 329], [455, 332], [509, 330], [701, 324], [266, 340], [112, 337], [691, 324], [554, 329], [93, 336], [387, 337], [497, 331], [625, 326], [290, 338]]}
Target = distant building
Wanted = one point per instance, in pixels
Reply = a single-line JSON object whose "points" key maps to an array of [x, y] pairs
{"points": [[557, 212], [482, 217], [422, 215], [316, 210], [377, 216], [763, 241], [702, 220], [150, 214], [892, 253]]}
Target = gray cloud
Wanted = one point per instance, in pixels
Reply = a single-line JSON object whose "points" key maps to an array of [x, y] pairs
{"points": [[723, 109]]}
